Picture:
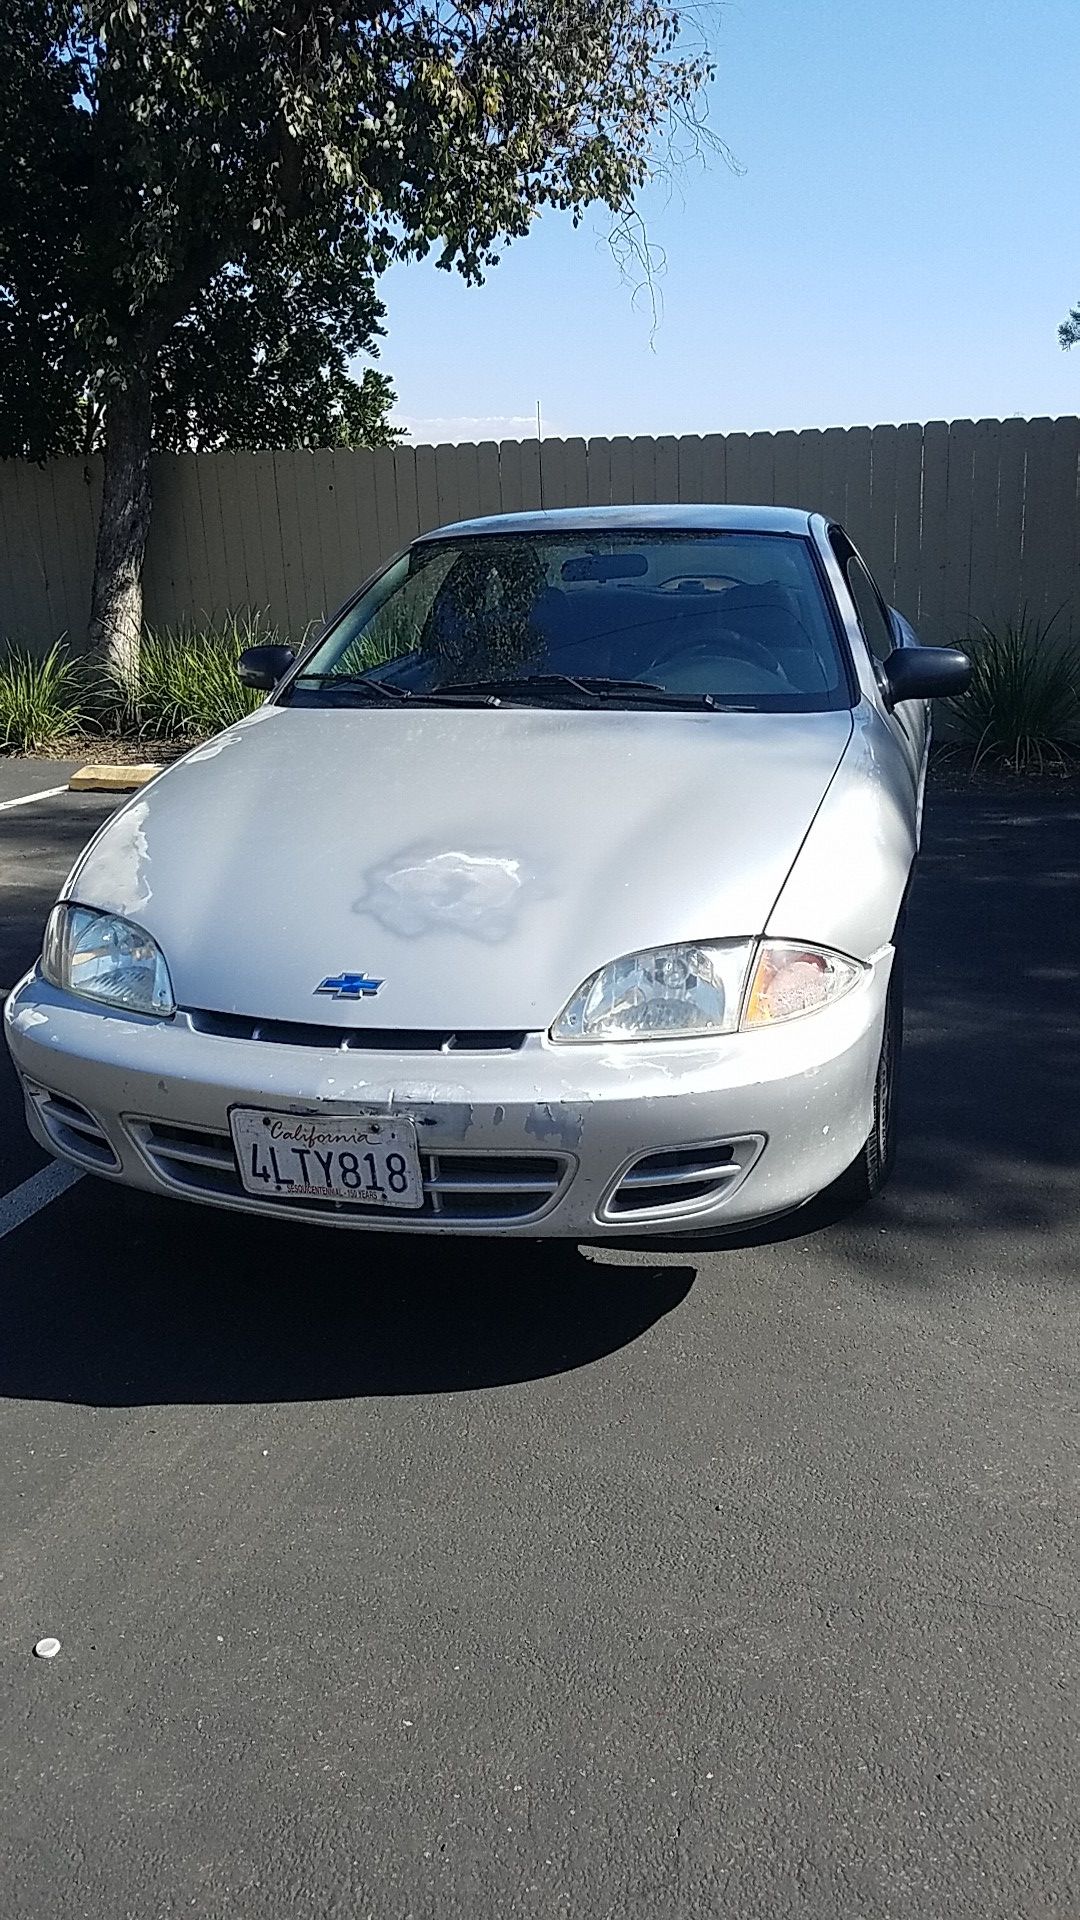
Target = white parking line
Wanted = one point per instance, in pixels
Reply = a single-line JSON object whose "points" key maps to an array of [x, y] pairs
{"points": [[35, 1193], [27, 799]]}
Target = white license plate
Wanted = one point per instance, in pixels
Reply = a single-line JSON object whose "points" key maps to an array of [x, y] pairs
{"points": [[365, 1159]]}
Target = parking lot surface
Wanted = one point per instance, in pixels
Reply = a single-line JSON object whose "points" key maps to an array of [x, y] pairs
{"points": [[412, 1578]]}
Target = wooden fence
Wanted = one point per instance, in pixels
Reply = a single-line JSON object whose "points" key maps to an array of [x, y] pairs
{"points": [[960, 521]]}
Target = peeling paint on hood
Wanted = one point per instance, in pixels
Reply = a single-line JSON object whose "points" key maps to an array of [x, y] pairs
{"points": [[120, 864], [428, 888]]}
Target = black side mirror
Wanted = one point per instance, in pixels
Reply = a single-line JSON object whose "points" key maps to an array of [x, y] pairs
{"points": [[925, 673], [263, 667]]}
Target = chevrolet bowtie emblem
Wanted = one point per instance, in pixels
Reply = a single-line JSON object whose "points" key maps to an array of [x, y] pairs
{"points": [[349, 986]]}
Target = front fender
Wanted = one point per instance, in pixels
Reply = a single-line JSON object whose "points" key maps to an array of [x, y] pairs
{"points": [[848, 882]]}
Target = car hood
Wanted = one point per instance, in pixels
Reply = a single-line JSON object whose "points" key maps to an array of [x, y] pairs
{"points": [[479, 862]]}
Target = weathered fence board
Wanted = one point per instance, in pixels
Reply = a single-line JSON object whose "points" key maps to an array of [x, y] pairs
{"points": [[986, 457], [643, 472], [287, 473], [271, 475], [599, 468], [879, 545], [963, 521], [667, 468], [487, 464], [1064, 555], [737, 466], [907, 520], [759, 470], [807, 467], [513, 490], [622, 471], [785, 469], [957, 597], [932, 552], [833, 499]]}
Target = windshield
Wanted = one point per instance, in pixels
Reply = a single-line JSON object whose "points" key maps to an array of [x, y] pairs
{"points": [[620, 619]]}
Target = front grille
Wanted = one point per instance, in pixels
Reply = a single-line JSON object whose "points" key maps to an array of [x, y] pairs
{"points": [[73, 1130], [479, 1188], [683, 1179], [306, 1033]]}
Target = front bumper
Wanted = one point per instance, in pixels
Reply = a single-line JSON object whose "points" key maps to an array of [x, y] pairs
{"points": [[574, 1141]]}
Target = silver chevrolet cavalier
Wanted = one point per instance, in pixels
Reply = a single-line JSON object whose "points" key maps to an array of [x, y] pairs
{"points": [[557, 888]]}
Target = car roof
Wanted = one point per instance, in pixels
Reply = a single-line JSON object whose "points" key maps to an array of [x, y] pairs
{"points": [[669, 519]]}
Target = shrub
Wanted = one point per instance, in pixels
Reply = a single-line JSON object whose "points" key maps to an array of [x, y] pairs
{"points": [[42, 698], [1022, 708], [186, 685]]}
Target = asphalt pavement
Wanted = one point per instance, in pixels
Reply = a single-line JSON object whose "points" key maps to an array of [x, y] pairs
{"points": [[432, 1581]]}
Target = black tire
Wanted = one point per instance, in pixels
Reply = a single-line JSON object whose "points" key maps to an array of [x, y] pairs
{"points": [[870, 1170]]}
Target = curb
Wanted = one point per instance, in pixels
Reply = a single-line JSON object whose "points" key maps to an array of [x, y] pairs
{"points": [[111, 779]]}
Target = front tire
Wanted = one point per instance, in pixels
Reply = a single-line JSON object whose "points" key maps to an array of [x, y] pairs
{"points": [[870, 1170]]}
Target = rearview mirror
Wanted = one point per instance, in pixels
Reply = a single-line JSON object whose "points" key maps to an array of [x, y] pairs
{"points": [[605, 566], [925, 673], [263, 667]]}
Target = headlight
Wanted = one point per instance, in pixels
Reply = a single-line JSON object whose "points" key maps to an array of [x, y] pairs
{"points": [[670, 991], [691, 992], [105, 958]]}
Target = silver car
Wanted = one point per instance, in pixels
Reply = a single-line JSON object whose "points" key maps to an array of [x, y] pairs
{"points": [[557, 888]]}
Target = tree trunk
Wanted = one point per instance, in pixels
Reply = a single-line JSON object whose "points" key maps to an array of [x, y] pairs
{"points": [[123, 524]]}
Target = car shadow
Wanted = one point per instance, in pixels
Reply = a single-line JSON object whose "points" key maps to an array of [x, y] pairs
{"points": [[120, 1299]]}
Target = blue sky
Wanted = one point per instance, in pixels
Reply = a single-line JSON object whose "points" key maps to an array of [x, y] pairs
{"points": [[900, 244]]}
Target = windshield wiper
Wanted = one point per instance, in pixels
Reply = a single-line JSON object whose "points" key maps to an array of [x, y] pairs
{"points": [[590, 689], [593, 687], [353, 683]]}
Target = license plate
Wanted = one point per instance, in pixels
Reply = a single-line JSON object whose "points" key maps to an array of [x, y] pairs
{"points": [[362, 1159]]}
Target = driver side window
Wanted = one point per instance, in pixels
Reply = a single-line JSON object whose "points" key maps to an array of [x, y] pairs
{"points": [[873, 619], [873, 615]]}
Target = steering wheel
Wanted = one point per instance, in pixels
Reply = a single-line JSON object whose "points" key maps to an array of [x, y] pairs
{"points": [[738, 644], [690, 583]]}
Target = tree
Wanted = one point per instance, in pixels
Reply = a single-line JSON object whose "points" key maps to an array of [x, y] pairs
{"points": [[199, 197], [1069, 330]]}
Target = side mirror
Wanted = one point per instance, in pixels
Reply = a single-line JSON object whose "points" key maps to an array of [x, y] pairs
{"points": [[925, 673], [263, 667]]}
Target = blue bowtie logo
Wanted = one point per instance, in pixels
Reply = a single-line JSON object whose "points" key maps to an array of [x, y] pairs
{"points": [[350, 986]]}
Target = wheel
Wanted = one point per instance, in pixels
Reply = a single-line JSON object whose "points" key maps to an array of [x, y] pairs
{"points": [[870, 1170]]}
